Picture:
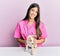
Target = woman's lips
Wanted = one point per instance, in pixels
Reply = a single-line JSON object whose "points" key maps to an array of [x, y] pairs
{"points": [[33, 15]]}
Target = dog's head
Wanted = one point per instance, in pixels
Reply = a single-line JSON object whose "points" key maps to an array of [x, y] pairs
{"points": [[30, 39]]}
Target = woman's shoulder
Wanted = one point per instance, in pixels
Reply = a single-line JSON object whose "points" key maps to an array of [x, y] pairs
{"points": [[41, 23], [21, 21]]}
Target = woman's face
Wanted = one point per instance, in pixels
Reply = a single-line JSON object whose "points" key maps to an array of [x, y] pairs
{"points": [[33, 12]]}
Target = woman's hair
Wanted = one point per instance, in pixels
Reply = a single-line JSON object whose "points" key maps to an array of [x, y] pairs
{"points": [[37, 19]]}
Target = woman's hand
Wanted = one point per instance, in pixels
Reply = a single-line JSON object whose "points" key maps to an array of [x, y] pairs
{"points": [[35, 41], [21, 41], [25, 42]]}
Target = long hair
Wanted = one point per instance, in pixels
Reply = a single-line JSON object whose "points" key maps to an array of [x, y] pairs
{"points": [[37, 19]]}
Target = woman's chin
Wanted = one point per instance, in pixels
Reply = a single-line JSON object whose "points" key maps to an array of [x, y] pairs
{"points": [[32, 17]]}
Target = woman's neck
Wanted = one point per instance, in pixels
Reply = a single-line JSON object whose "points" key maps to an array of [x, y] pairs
{"points": [[31, 20]]}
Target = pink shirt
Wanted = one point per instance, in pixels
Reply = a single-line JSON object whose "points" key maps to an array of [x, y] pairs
{"points": [[24, 29]]}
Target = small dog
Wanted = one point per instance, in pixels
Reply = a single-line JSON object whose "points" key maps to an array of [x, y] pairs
{"points": [[30, 43]]}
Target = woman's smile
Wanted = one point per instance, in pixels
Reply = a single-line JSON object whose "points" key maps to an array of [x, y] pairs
{"points": [[33, 12]]}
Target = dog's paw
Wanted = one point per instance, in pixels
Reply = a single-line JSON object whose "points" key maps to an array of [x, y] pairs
{"points": [[32, 53]]}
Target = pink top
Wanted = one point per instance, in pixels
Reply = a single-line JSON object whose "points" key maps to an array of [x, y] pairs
{"points": [[24, 29]]}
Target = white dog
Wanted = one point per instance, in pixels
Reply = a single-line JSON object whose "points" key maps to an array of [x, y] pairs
{"points": [[30, 43]]}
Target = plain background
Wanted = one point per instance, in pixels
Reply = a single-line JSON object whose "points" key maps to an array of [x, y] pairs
{"points": [[12, 11]]}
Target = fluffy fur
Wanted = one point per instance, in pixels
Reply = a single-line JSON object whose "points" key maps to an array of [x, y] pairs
{"points": [[30, 43]]}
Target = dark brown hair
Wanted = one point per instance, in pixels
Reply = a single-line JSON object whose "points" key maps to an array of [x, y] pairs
{"points": [[37, 19]]}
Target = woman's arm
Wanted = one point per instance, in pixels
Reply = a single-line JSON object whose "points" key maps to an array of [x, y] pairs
{"points": [[21, 40], [42, 40]]}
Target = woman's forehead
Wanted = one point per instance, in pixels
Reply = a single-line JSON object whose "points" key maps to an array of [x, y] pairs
{"points": [[35, 8]]}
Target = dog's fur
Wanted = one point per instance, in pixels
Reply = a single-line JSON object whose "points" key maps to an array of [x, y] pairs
{"points": [[30, 43]]}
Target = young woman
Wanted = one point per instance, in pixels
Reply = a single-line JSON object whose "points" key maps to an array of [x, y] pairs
{"points": [[31, 25]]}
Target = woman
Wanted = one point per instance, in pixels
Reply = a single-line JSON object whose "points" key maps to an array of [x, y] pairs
{"points": [[31, 25]]}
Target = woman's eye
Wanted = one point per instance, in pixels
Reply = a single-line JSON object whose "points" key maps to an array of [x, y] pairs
{"points": [[32, 10]]}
